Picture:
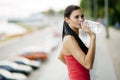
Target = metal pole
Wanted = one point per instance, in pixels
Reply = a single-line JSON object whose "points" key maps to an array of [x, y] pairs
{"points": [[106, 18]]}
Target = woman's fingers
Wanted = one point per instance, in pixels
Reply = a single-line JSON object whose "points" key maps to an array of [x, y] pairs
{"points": [[84, 26]]}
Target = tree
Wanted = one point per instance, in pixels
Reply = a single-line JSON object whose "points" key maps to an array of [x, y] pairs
{"points": [[114, 9]]}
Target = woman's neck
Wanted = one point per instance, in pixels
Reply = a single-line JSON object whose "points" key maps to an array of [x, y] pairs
{"points": [[75, 30]]}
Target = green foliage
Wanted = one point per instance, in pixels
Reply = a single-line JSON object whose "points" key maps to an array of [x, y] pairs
{"points": [[118, 6], [89, 6], [61, 12], [83, 4], [49, 12], [101, 13]]}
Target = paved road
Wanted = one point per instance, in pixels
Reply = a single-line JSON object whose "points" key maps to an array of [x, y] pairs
{"points": [[36, 38], [16, 46]]}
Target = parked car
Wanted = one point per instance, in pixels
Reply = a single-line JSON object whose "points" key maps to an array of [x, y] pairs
{"points": [[14, 67], [7, 75], [22, 60], [34, 53], [35, 56]]}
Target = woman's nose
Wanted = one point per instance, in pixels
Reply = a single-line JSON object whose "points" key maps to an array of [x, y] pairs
{"points": [[81, 19]]}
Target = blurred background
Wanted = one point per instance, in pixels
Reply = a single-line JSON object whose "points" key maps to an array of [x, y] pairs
{"points": [[30, 38]]}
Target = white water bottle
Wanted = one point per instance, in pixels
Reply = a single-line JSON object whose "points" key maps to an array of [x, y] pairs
{"points": [[94, 26]]}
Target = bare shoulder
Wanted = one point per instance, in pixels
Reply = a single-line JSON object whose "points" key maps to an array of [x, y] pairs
{"points": [[66, 41], [71, 44], [68, 38]]}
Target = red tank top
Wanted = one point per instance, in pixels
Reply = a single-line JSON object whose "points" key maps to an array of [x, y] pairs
{"points": [[75, 70]]}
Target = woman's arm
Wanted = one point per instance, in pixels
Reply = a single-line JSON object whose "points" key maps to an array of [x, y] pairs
{"points": [[61, 57], [84, 59], [91, 53]]}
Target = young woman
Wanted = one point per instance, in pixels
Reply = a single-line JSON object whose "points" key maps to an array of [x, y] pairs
{"points": [[78, 58]]}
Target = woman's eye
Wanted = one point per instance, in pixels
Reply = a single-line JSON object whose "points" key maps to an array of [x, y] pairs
{"points": [[77, 17], [82, 16]]}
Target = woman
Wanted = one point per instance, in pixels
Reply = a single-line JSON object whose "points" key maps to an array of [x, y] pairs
{"points": [[78, 58]]}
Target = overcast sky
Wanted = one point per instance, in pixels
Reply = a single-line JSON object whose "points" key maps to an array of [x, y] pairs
{"points": [[22, 8]]}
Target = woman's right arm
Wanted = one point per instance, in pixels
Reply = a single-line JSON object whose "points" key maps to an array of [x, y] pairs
{"points": [[84, 59], [91, 52]]}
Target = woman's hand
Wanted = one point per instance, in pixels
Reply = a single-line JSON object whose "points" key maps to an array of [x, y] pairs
{"points": [[85, 27]]}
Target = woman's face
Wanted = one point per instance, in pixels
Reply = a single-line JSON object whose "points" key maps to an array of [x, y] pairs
{"points": [[75, 18]]}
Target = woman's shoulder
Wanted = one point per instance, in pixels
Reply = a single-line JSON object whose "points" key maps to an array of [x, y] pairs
{"points": [[68, 38], [69, 41], [65, 43]]}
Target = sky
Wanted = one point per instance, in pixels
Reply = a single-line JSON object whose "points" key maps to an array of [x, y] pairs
{"points": [[23, 8]]}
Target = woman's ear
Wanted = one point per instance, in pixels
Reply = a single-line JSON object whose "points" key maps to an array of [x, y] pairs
{"points": [[66, 19]]}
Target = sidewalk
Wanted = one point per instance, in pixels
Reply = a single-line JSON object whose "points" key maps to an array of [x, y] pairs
{"points": [[103, 67], [113, 44]]}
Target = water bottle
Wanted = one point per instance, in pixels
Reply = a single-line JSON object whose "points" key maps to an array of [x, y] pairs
{"points": [[94, 26]]}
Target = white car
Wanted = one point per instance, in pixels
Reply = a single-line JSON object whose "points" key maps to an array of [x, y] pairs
{"points": [[22, 60], [6, 75], [14, 67]]}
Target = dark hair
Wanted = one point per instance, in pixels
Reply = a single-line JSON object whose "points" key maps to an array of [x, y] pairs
{"points": [[70, 9], [68, 31]]}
